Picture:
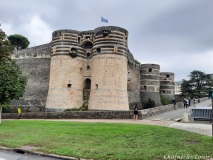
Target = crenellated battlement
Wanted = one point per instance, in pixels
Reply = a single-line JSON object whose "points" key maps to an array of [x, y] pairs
{"points": [[42, 51]]}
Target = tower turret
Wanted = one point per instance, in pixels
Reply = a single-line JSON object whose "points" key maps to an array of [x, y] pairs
{"points": [[109, 69], [66, 75], [167, 84], [150, 83]]}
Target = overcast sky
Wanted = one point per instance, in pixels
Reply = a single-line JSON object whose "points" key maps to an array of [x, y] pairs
{"points": [[177, 34]]}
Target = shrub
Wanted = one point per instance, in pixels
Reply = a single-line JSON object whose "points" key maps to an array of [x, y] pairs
{"points": [[165, 100], [149, 104], [5, 108], [71, 109]]}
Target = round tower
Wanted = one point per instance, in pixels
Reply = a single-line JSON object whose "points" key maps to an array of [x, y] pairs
{"points": [[66, 75], [109, 69], [150, 83], [167, 84]]}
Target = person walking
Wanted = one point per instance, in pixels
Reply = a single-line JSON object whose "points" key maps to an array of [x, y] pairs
{"points": [[19, 113], [185, 103], [174, 103], [194, 101], [189, 102], [136, 111]]}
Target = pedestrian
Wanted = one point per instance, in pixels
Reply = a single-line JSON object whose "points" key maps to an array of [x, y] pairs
{"points": [[136, 111], [185, 103], [189, 101], [194, 101], [19, 113], [174, 103]]}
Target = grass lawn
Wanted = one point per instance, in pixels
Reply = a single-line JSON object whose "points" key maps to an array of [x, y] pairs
{"points": [[104, 141]]}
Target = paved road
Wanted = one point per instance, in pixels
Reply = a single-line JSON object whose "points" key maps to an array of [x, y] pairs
{"points": [[174, 114], [201, 126], [9, 155]]}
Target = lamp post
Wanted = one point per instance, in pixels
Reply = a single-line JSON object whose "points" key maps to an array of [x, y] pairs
{"points": [[211, 116]]}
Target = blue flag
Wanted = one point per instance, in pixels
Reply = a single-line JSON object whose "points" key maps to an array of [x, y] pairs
{"points": [[104, 20]]}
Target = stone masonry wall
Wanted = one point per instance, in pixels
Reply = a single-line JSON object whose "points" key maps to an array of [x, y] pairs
{"points": [[95, 114], [34, 63], [133, 85]]}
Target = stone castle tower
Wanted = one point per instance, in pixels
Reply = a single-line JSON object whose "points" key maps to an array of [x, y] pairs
{"points": [[95, 60], [150, 83], [92, 67], [167, 84]]}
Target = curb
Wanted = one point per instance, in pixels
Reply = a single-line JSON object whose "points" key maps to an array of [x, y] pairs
{"points": [[178, 119], [23, 151]]}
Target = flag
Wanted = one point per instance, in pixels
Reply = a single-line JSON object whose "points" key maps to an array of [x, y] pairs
{"points": [[104, 20]]}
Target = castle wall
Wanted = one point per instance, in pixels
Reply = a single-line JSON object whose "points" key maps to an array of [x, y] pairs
{"points": [[34, 63], [133, 85], [109, 70], [150, 83], [98, 61]]}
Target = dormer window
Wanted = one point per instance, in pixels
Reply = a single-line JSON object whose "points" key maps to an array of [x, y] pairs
{"points": [[105, 33]]}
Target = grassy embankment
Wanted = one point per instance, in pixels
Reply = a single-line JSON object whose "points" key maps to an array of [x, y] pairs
{"points": [[104, 141]]}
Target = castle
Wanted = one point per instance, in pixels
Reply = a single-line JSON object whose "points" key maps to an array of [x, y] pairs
{"points": [[92, 66]]}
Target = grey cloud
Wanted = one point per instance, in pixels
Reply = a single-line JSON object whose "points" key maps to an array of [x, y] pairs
{"points": [[187, 27]]}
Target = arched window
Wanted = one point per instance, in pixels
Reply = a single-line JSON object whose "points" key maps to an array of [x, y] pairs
{"points": [[87, 44], [87, 83]]}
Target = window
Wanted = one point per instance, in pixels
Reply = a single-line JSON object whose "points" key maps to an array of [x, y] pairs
{"points": [[88, 55], [69, 85], [87, 44], [150, 69], [96, 85], [145, 88], [167, 76], [98, 50], [79, 39], [73, 52], [105, 33], [88, 67], [87, 83], [129, 76]]}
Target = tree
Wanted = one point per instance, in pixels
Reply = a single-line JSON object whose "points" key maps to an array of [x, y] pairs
{"points": [[5, 47], [12, 82], [198, 85], [19, 41]]}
